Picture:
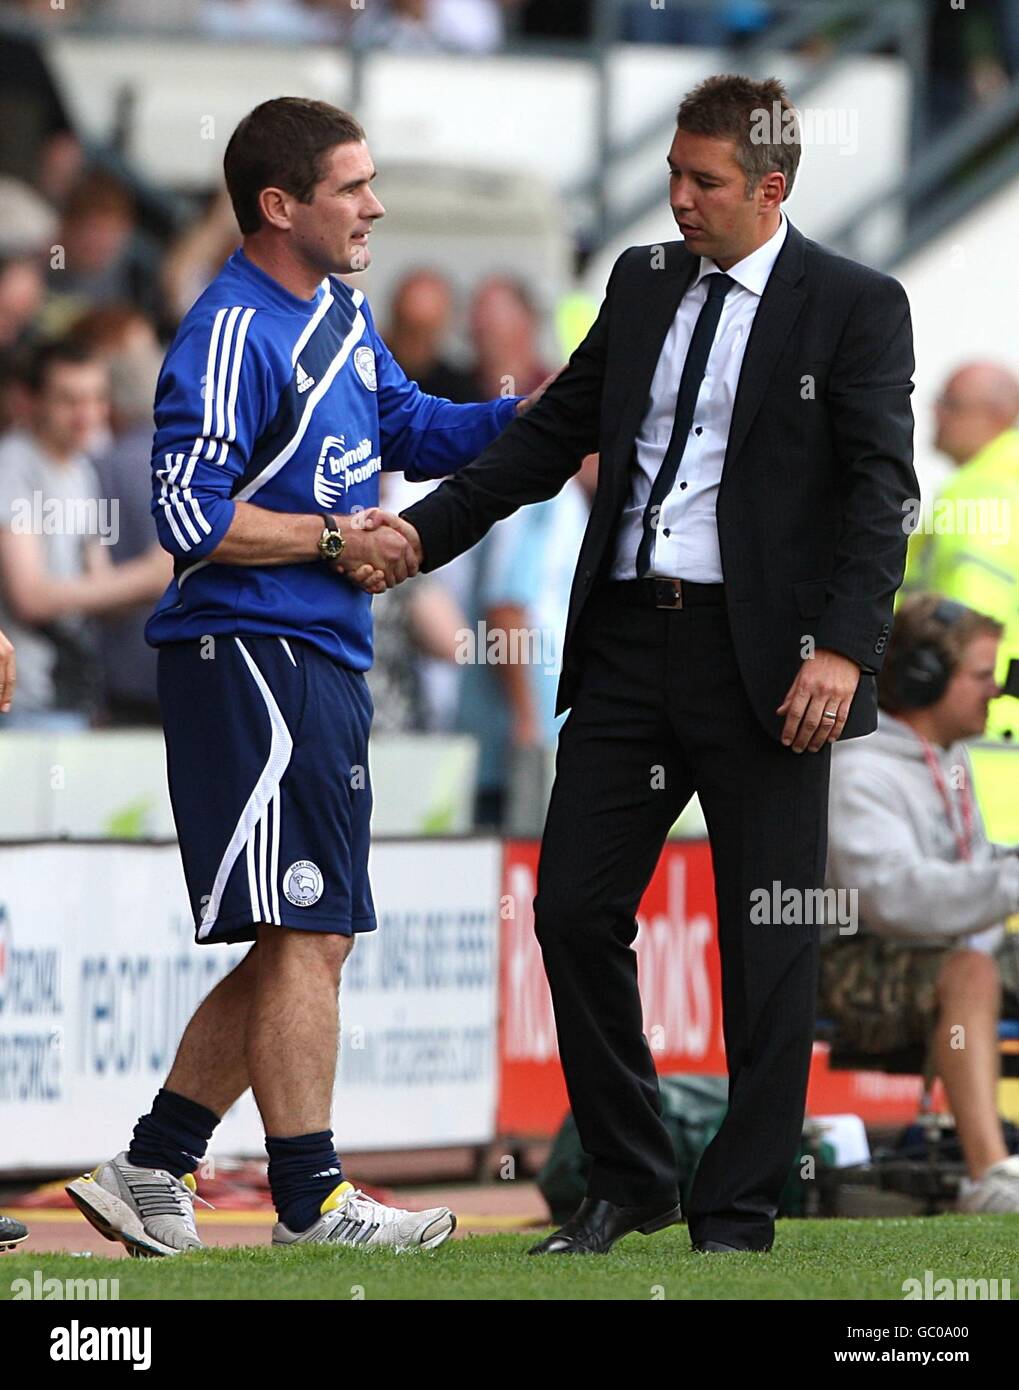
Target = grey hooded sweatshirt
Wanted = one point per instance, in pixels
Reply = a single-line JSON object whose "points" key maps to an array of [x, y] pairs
{"points": [[889, 838]]}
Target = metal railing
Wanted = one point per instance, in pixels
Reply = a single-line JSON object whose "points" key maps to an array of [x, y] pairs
{"points": [[873, 26], [963, 165], [966, 165]]}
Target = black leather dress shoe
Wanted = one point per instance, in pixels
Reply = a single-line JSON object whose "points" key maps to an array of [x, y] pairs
{"points": [[12, 1232], [596, 1225], [719, 1247]]}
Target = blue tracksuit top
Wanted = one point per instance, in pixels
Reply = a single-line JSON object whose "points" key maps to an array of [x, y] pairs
{"points": [[294, 405]]}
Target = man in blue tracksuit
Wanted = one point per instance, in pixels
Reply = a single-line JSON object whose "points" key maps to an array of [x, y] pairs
{"points": [[277, 408]]}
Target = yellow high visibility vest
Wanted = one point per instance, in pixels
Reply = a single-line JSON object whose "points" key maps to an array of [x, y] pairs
{"points": [[574, 315], [967, 549]]}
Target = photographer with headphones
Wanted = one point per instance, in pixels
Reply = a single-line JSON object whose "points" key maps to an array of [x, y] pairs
{"points": [[925, 964]]}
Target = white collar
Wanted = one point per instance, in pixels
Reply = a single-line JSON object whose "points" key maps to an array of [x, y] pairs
{"points": [[751, 273]]}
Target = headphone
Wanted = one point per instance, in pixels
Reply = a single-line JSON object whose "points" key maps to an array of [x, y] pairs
{"points": [[920, 677]]}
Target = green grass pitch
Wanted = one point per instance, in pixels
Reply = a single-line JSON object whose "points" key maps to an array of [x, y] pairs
{"points": [[838, 1259]]}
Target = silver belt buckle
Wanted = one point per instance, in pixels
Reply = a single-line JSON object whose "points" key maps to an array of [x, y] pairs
{"points": [[668, 593]]}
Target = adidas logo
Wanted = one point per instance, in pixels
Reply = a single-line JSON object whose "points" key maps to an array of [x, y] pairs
{"points": [[304, 381]]}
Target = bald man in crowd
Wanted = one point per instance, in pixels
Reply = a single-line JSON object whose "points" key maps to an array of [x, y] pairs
{"points": [[967, 548], [979, 405]]}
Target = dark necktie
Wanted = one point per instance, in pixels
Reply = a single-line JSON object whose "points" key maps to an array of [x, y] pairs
{"points": [[689, 385]]}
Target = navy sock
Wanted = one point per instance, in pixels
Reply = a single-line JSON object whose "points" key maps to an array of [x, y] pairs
{"points": [[303, 1171], [173, 1135]]}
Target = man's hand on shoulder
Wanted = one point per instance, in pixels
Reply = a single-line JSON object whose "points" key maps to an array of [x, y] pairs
{"points": [[524, 406]]}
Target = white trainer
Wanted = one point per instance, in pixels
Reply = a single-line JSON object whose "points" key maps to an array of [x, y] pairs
{"points": [[997, 1190], [147, 1209], [349, 1217]]}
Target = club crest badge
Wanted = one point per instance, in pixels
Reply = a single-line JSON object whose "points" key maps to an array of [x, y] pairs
{"points": [[302, 883], [364, 365]]}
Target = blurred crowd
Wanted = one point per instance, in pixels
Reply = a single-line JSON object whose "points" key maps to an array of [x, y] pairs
{"points": [[92, 286], [88, 300], [401, 25], [89, 297], [422, 25], [965, 58]]}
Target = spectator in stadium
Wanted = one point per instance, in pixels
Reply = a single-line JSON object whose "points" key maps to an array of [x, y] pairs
{"points": [[113, 331], [267, 19], [105, 257], [15, 395], [971, 56], [469, 26], [413, 623], [731, 604], [22, 290], [197, 256], [906, 836], [494, 701], [504, 329], [55, 571], [429, 26], [419, 321], [521, 593], [124, 339], [8, 673], [968, 547], [27, 227], [37, 138], [705, 25]]}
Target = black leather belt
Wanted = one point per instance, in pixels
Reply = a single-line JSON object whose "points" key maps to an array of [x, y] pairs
{"points": [[664, 593]]}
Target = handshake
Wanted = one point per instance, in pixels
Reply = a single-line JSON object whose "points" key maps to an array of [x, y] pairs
{"points": [[380, 550]]}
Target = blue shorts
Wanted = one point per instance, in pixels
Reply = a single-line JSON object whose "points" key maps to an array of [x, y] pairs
{"points": [[267, 757]]}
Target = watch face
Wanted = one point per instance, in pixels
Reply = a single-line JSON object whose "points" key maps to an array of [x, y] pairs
{"points": [[331, 545]]}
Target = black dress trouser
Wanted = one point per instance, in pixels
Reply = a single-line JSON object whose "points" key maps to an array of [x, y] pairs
{"points": [[661, 712]]}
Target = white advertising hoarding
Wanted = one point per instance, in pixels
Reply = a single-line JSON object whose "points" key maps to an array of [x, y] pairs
{"points": [[99, 973]]}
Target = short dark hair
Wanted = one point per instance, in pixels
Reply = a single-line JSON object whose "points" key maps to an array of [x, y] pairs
{"points": [[743, 109], [280, 145], [57, 353]]}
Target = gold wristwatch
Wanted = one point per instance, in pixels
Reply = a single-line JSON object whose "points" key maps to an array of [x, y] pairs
{"points": [[331, 542]]}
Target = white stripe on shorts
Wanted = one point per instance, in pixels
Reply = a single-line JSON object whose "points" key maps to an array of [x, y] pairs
{"points": [[256, 811]]}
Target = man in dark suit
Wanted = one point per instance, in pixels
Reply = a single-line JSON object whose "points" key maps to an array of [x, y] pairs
{"points": [[748, 392]]}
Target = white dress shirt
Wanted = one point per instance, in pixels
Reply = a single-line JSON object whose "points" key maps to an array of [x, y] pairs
{"points": [[686, 540]]}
